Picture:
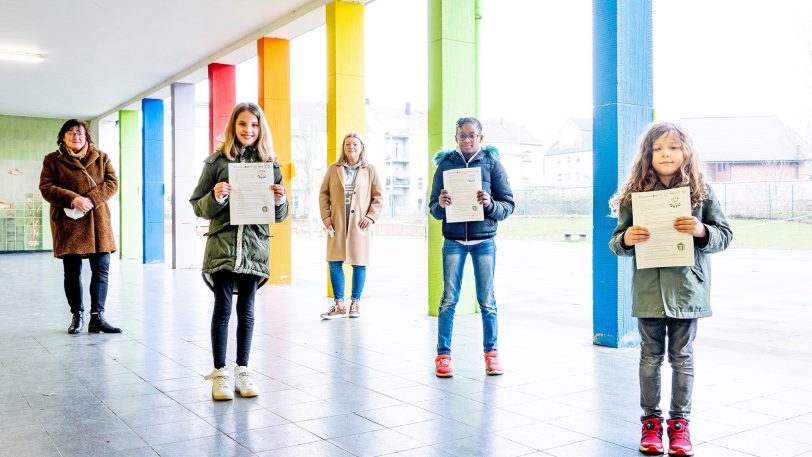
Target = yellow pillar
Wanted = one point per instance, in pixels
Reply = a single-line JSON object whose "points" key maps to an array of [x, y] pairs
{"points": [[345, 73], [346, 105], [274, 98]]}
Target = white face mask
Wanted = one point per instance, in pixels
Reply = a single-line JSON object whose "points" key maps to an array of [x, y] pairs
{"points": [[74, 213]]}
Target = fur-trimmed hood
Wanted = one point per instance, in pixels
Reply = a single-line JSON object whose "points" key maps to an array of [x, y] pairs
{"points": [[442, 155]]}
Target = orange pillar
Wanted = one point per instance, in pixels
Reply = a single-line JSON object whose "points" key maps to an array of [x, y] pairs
{"points": [[274, 98]]}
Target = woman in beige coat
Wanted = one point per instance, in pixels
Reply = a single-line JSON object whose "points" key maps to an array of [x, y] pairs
{"points": [[350, 202]]}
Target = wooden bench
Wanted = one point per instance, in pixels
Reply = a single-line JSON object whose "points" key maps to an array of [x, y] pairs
{"points": [[570, 236]]}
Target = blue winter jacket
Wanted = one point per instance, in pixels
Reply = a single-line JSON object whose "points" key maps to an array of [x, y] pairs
{"points": [[494, 182]]}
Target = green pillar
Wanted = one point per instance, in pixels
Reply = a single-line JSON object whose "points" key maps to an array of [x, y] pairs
{"points": [[453, 93], [129, 185]]}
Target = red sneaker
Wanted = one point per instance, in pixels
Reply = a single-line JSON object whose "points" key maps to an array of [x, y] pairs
{"points": [[442, 366], [492, 366], [652, 440], [679, 438]]}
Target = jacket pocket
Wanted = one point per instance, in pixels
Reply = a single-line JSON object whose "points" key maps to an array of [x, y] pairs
{"points": [[263, 230], [697, 270]]}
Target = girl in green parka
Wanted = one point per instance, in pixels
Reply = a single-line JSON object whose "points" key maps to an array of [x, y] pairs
{"points": [[237, 256], [667, 301]]}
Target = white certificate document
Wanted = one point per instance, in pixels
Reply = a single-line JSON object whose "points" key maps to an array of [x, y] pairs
{"points": [[463, 185], [251, 200], [657, 211]]}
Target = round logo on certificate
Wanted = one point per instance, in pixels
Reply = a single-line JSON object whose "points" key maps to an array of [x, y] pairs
{"points": [[264, 209]]}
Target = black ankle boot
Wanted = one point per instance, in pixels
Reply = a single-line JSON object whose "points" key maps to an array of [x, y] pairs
{"points": [[76, 323], [99, 324]]}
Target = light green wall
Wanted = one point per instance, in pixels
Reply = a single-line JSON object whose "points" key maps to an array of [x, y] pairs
{"points": [[24, 142], [129, 185]]}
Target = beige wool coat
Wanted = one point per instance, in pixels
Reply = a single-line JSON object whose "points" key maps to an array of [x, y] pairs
{"points": [[62, 179], [350, 246]]}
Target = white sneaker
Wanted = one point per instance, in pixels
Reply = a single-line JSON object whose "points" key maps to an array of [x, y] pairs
{"points": [[220, 384], [244, 382], [336, 311]]}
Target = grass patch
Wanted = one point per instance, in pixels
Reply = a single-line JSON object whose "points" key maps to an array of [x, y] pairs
{"points": [[747, 233]]}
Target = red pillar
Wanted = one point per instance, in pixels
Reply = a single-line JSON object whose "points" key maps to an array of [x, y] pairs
{"points": [[222, 98]]}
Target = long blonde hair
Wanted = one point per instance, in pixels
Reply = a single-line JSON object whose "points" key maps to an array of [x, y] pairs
{"points": [[230, 147], [342, 158], [643, 178]]}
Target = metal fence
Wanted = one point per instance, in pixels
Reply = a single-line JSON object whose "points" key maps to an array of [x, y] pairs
{"points": [[750, 200]]}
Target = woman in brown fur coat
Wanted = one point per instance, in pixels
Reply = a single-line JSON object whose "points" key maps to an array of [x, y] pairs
{"points": [[77, 180]]}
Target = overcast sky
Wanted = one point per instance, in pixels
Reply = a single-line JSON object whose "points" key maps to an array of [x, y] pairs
{"points": [[711, 58]]}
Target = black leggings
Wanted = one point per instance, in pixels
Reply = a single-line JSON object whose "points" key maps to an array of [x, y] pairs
{"points": [[99, 270], [224, 282]]}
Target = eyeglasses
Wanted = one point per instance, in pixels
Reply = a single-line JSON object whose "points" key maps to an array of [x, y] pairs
{"points": [[469, 136], [75, 133]]}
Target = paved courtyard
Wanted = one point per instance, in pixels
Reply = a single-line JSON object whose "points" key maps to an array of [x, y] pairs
{"points": [[366, 387]]}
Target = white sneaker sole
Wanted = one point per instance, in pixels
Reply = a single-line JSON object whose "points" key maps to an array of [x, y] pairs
{"points": [[250, 393]]}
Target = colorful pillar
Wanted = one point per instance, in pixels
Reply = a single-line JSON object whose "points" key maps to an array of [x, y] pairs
{"points": [[274, 98], [222, 98], [623, 106], [129, 185], [346, 104], [184, 177], [152, 147], [453, 93]]}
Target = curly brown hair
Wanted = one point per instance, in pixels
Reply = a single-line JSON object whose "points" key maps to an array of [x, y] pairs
{"points": [[643, 178], [69, 124]]}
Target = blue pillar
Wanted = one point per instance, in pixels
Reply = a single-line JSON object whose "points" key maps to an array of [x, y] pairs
{"points": [[152, 132], [623, 107]]}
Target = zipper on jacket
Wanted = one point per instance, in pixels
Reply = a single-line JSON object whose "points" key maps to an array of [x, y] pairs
{"points": [[466, 166], [238, 260]]}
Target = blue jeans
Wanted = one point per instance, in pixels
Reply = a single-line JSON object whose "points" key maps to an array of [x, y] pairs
{"points": [[483, 256], [99, 271], [224, 282], [681, 334], [359, 276]]}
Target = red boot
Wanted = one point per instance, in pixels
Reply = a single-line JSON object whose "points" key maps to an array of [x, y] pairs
{"points": [[442, 366], [492, 365], [679, 438], [652, 440]]}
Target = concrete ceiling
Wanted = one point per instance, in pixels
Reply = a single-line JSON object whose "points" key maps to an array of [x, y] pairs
{"points": [[104, 55]]}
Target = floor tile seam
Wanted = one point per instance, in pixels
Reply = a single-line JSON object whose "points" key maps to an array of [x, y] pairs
{"points": [[549, 419], [731, 449], [757, 429], [585, 437], [216, 432], [383, 427], [771, 401], [401, 425], [633, 447], [385, 453]]}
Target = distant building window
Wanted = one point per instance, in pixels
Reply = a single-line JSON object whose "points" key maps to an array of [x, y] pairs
{"points": [[398, 149]]}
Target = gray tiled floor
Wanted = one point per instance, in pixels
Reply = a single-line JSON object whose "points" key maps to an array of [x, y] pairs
{"points": [[365, 387]]}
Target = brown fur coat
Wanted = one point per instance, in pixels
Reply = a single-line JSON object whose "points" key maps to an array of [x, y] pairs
{"points": [[61, 181]]}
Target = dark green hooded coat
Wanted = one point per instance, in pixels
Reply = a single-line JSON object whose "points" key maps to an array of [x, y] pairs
{"points": [[237, 248]]}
